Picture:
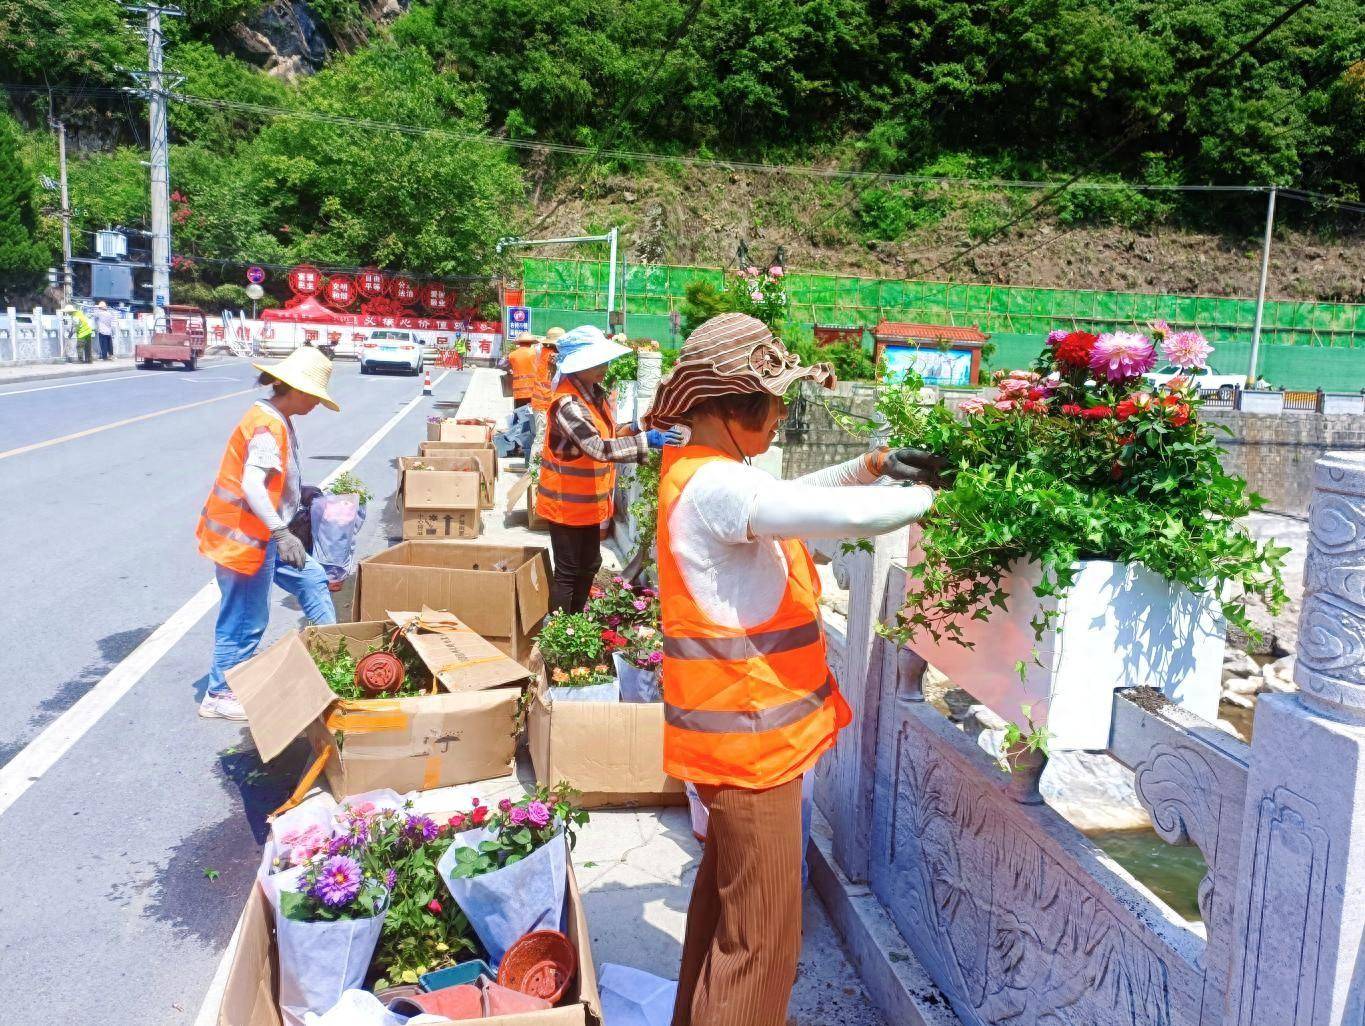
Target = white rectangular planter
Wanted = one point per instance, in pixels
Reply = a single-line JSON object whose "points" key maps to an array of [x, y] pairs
{"points": [[1343, 402], [1257, 401], [1119, 626]]}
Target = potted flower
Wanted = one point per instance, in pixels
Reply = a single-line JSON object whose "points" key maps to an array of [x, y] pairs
{"points": [[337, 516], [638, 653], [1086, 537], [619, 604], [509, 874], [575, 657]]}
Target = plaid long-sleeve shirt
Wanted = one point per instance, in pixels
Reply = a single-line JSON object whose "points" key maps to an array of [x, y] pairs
{"points": [[574, 433]]}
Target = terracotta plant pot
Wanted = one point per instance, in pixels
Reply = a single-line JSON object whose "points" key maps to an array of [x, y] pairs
{"points": [[542, 964], [380, 673], [500, 1000], [463, 1001]]}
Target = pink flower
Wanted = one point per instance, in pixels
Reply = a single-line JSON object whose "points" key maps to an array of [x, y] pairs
{"points": [[774, 271], [972, 406], [752, 272], [1011, 388], [756, 296], [434, 907], [655, 658], [517, 815], [640, 604], [1120, 355], [1054, 336], [1004, 405], [505, 804], [538, 813], [1187, 349]]}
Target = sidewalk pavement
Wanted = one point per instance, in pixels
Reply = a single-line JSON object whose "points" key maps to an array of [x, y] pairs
{"points": [[636, 866], [15, 373]]}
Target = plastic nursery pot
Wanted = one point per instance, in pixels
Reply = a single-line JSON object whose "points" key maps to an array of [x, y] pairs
{"points": [[464, 972], [542, 963], [379, 673], [1026, 772]]}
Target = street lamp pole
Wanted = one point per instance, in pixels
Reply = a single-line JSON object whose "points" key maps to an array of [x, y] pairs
{"points": [[1260, 292]]}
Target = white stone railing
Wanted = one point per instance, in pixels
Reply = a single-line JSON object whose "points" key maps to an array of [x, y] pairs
{"points": [[1019, 919]]}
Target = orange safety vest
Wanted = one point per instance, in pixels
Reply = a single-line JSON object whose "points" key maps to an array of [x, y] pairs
{"points": [[743, 707], [544, 389], [575, 492], [523, 363], [229, 533]]}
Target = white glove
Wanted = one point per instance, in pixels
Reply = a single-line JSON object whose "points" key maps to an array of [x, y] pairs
{"points": [[288, 548]]}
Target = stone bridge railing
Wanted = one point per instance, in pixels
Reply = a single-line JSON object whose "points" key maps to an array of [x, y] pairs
{"points": [[1019, 919]]}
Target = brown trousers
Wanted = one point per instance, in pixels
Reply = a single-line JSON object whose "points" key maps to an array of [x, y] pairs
{"points": [[743, 936]]}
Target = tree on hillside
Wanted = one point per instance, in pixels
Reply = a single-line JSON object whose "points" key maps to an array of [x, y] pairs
{"points": [[22, 258]]}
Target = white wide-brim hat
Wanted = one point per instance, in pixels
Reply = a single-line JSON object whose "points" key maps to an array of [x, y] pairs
{"points": [[585, 348], [305, 370]]}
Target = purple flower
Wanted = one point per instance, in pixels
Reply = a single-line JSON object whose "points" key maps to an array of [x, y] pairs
{"points": [[641, 605], [1120, 355], [505, 804], [538, 813], [1054, 336], [421, 829], [1186, 349], [517, 816], [613, 621], [338, 845], [655, 658], [390, 878], [338, 881]]}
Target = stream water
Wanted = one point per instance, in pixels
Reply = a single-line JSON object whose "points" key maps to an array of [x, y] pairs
{"points": [[1171, 873]]}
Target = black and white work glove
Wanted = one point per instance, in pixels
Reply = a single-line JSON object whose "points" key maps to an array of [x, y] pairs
{"points": [[288, 548], [912, 466]]}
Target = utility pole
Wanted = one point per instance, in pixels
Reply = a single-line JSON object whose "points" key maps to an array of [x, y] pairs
{"points": [[66, 229], [153, 81], [1260, 292]]}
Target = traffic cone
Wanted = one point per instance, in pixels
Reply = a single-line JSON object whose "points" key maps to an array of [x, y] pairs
{"points": [[426, 384]]}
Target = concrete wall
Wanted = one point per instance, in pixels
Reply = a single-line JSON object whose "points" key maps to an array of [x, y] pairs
{"points": [[1274, 452]]}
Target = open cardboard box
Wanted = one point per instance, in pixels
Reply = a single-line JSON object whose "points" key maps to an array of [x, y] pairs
{"points": [[525, 485], [478, 433], [250, 997], [441, 502], [501, 592], [435, 454], [613, 752], [465, 733]]}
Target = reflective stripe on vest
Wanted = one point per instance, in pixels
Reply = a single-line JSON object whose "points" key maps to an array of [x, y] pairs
{"points": [[575, 492], [228, 532], [523, 364], [748, 708]]}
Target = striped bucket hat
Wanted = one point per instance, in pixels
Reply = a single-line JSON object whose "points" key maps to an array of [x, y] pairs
{"points": [[731, 354]]}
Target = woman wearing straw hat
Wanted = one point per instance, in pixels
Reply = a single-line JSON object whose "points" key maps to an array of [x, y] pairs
{"points": [[750, 703], [578, 461], [244, 529]]}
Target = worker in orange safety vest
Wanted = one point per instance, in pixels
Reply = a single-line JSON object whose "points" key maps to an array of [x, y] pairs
{"points": [[244, 525], [750, 703]]}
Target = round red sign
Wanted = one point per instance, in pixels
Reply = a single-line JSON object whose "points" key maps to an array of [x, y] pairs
{"points": [[340, 290], [370, 283], [305, 280]]}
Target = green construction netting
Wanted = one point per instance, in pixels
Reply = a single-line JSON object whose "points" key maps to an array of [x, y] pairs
{"points": [[1304, 344]]}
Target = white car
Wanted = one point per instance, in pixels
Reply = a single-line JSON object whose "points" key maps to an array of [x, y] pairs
{"points": [[1208, 380], [393, 349]]}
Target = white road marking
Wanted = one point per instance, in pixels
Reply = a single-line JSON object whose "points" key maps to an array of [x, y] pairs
{"points": [[42, 753], [72, 384]]}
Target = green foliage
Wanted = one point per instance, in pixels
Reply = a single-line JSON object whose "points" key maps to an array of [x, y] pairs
{"points": [[701, 302], [337, 666], [215, 77], [519, 829], [850, 360], [350, 484], [22, 256], [1053, 487], [1028, 738], [570, 640], [60, 41]]}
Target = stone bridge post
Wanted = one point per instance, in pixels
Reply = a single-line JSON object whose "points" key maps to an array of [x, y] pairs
{"points": [[1298, 955]]}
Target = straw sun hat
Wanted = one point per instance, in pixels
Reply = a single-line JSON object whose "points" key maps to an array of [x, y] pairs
{"points": [[305, 370], [732, 354]]}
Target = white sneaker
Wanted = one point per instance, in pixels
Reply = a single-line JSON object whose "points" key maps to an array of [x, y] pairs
{"points": [[222, 707]]}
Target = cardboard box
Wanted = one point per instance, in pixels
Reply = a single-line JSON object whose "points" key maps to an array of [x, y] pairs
{"points": [[501, 592], [611, 751], [525, 485], [404, 743], [251, 998], [435, 453], [476, 433], [441, 502]]}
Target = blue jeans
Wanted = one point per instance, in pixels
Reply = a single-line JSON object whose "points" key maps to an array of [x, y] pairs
{"points": [[244, 609]]}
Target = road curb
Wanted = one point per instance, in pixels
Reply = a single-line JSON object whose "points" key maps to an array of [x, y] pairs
{"points": [[48, 372]]}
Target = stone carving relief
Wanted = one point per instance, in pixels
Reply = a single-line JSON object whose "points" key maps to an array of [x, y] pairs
{"points": [[1178, 789], [1008, 931], [1291, 852]]}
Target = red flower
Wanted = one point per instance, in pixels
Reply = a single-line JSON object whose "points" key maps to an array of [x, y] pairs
{"points": [[1125, 409], [1037, 393], [1035, 406], [479, 814], [456, 821], [1071, 410], [1179, 411], [434, 907], [1074, 349], [1127, 439], [1097, 413], [1116, 471]]}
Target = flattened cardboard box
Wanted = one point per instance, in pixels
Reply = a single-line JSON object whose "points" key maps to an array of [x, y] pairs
{"points": [[611, 751], [479, 433], [251, 995], [405, 743], [501, 592], [457, 458]]}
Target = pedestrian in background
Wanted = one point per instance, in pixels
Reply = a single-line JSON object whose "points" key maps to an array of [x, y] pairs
{"points": [[521, 363], [106, 323], [244, 526], [80, 325]]}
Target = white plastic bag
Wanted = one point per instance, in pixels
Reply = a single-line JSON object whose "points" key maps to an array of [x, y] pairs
{"points": [[313, 818], [318, 962], [637, 685], [361, 1008], [336, 524], [631, 997], [508, 903]]}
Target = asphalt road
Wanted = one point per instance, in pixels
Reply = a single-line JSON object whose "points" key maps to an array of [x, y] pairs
{"points": [[108, 913]]}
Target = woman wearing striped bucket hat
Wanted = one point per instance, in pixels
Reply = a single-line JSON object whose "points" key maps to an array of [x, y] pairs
{"points": [[750, 703]]}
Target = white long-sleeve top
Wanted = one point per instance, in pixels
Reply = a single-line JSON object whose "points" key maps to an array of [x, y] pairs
{"points": [[263, 458], [726, 526]]}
